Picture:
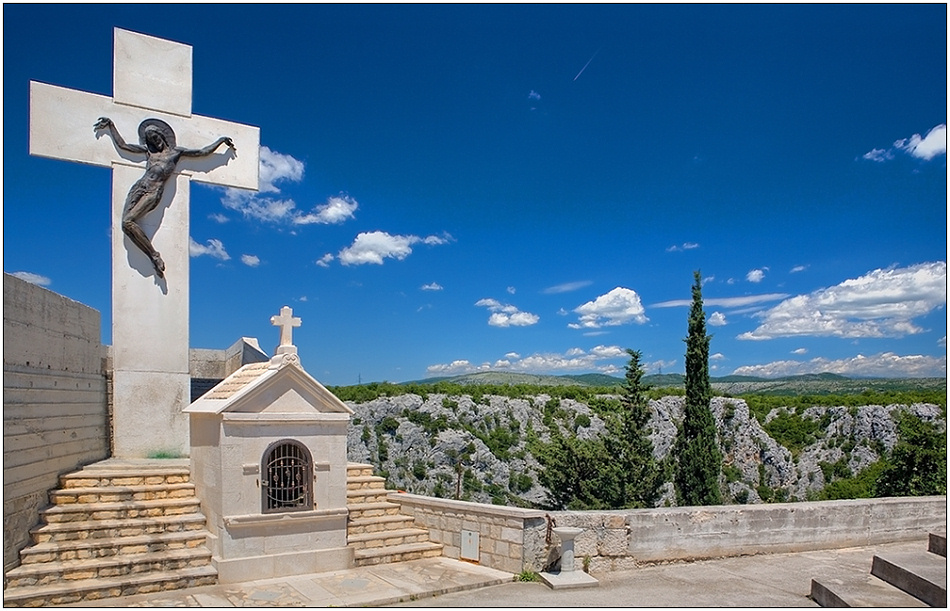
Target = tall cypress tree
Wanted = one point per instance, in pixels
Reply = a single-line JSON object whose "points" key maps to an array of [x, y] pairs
{"points": [[699, 460], [641, 475]]}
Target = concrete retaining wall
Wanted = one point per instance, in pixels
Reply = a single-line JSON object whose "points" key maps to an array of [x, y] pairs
{"points": [[512, 539], [55, 408]]}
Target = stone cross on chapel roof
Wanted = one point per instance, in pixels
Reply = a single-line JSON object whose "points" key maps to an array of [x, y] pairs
{"points": [[286, 321]]}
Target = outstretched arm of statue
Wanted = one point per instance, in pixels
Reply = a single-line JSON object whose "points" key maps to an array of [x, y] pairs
{"points": [[106, 123], [204, 152]]}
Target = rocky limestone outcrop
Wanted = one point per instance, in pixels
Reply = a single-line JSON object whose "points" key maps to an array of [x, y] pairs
{"points": [[477, 449]]}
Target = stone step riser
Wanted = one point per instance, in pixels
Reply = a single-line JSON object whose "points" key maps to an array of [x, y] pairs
{"points": [[116, 549], [380, 485], [61, 497], [379, 528], [84, 571], [359, 514], [91, 532], [96, 592], [919, 586], [81, 514], [366, 496], [386, 542], [77, 481], [400, 557]]}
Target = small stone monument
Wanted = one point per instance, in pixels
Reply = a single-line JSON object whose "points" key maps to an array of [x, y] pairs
{"points": [[268, 458], [569, 576], [152, 88]]}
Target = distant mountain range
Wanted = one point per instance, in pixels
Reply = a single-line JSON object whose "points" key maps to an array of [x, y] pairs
{"points": [[816, 383]]}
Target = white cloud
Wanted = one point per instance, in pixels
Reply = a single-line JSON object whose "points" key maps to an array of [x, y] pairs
{"points": [[717, 319], [619, 306], [925, 147], [33, 278], [218, 218], [684, 246], [882, 303], [325, 260], [334, 212], [276, 167], [435, 286], [567, 287], [263, 205], [505, 315], [250, 260], [928, 147], [798, 268], [724, 302], [511, 290], [800, 351], [375, 246], [756, 275], [717, 357], [534, 95], [214, 248], [886, 365], [574, 359]]}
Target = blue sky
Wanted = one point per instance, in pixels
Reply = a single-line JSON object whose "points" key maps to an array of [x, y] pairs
{"points": [[529, 188]]}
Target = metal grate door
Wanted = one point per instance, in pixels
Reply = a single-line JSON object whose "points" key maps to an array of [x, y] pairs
{"points": [[288, 478]]}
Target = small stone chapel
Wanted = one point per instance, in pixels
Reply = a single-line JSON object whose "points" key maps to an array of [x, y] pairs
{"points": [[268, 457]]}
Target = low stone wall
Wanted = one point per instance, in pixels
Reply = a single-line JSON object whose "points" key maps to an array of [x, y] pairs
{"points": [[55, 408], [500, 540], [622, 540], [512, 539]]}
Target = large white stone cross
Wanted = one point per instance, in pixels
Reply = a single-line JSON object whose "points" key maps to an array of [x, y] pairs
{"points": [[151, 79]]}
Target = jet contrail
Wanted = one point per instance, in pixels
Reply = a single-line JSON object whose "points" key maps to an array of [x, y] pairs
{"points": [[587, 64]]}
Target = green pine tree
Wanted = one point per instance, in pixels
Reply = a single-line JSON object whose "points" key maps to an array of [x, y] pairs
{"points": [[918, 463], [698, 459], [630, 444]]}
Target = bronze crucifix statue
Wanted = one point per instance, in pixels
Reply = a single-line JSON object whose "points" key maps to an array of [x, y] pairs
{"points": [[158, 144]]}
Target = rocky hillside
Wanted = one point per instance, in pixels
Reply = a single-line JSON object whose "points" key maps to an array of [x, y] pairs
{"points": [[452, 446]]}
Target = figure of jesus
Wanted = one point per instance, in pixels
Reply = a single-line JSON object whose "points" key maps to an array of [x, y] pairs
{"points": [[158, 144]]}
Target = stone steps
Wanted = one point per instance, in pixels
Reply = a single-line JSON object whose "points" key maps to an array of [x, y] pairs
{"points": [[397, 553], [101, 547], [115, 528], [107, 587], [122, 510], [923, 575], [388, 538], [45, 573], [366, 495], [376, 529], [379, 523], [94, 529], [359, 511], [115, 494], [896, 579]]}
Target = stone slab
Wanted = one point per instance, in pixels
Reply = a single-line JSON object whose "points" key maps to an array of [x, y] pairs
{"points": [[859, 591], [920, 574], [569, 580]]}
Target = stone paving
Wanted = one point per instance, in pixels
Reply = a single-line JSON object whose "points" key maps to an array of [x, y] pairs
{"points": [[363, 586], [766, 580]]}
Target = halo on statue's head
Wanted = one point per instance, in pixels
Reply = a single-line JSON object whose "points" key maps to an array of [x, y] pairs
{"points": [[163, 128]]}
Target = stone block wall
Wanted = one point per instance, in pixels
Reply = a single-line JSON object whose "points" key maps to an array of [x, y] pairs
{"points": [[55, 405], [619, 540], [501, 530], [514, 540]]}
